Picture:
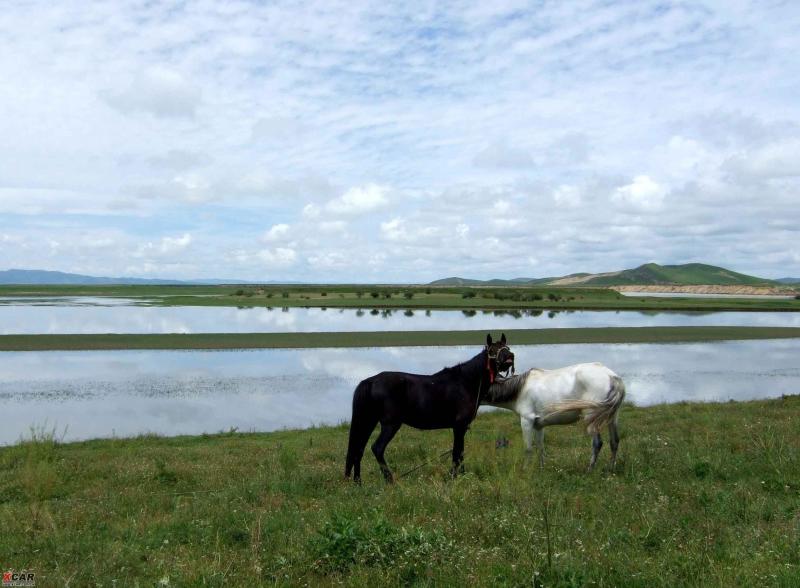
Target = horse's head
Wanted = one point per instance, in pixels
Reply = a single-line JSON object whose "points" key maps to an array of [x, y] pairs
{"points": [[499, 357]]}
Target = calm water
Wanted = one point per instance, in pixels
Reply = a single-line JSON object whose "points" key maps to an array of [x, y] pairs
{"points": [[113, 315], [123, 393]]}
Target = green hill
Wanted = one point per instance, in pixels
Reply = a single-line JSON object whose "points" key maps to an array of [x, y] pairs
{"points": [[689, 274]]}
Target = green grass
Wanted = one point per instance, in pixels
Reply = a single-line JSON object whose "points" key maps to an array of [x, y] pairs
{"points": [[413, 297], [388, 338], [704, 495]]}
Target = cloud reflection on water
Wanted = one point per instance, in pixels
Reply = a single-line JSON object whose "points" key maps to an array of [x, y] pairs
{"points": [[102, 393]]}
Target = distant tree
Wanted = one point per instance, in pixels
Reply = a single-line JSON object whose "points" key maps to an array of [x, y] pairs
{"points": [[374, 294], [408, 294]]}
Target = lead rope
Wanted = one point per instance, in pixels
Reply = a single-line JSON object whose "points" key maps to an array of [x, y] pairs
{"points": [[478, 401], [423, 464]]}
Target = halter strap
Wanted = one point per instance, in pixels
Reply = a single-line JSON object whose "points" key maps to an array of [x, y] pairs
{"points": [[489, 358]]}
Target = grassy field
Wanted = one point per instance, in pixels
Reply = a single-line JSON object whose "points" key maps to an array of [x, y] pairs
{"points": [[423, 297], [704, 495], [388, 338]]}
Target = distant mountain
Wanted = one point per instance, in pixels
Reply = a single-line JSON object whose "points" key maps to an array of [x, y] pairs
{"points": [[788, 280], [43, 277], [649, 273]]}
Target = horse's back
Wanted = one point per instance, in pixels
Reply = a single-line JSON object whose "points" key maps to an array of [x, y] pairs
{"points": [[582, 380], [422, 401], [594, 375]]}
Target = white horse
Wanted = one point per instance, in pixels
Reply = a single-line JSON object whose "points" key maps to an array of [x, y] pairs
{"points": [[559, 397]]}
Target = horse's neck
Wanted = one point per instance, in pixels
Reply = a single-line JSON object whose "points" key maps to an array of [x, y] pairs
{"points": [[504, 394], [470, 373]]}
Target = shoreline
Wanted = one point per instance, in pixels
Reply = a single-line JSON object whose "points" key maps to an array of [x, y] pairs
{"points": [[478, 298]]}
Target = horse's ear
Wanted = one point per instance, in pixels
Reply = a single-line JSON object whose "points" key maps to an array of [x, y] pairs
{"points": [[503, 338], [488, 339]]}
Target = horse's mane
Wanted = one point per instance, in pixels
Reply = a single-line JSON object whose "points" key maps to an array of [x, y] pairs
{"points": [[507, 389], [468, 366]]}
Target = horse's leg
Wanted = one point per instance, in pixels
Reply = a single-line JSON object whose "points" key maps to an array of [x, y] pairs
{"points": [[613, 436], [458, 450], [527, 436], [360, 430], [538, 435], [597, 445], [388, 430]]}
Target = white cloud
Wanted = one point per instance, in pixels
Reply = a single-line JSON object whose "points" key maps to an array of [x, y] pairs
{"points": [[332, 226], [179, 160], [164, 248], [173, 244], [393, 230], [501, 155], [501, 207], [777, 160], [642, 193], [192, 187], [329, 260], [228, 120], [311, 211], [277, 129], [276, 233], [568, 196], [359, 200], [159, 91], [279, 257], [416, 234]]}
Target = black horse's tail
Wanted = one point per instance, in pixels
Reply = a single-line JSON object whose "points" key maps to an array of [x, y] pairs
{"points": [[361, 426]]}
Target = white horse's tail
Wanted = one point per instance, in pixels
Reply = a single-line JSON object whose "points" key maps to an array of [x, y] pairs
{"points": [[602, 412]]}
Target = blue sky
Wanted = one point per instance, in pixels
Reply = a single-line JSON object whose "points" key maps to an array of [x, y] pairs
{"points": [[360, 141]]}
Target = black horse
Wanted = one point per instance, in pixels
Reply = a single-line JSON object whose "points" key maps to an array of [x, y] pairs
{"points": [[444, 400]]}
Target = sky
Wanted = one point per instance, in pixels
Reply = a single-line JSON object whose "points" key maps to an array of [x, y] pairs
{"points": [[398, 142]]}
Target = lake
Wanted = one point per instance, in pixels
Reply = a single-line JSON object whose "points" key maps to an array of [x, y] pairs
{"points": [[124, 393], [84, 315]]}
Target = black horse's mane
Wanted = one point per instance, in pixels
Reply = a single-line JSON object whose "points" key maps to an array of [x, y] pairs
{"points": [[469, 366]]}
